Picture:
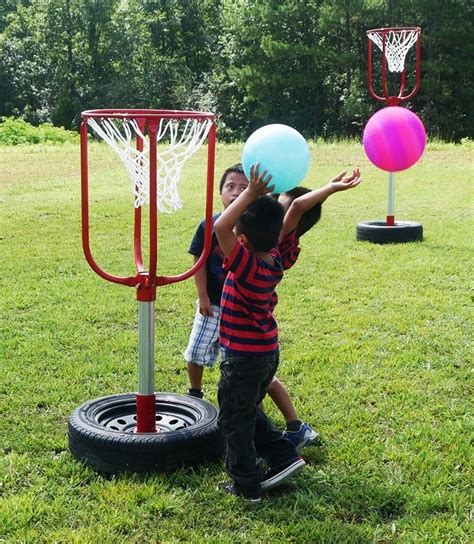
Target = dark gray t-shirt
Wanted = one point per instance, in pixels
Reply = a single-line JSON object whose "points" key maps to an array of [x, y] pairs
{"points": [[215, 273]]}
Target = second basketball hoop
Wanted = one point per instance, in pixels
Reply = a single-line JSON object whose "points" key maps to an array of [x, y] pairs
{"points": [[392, 127]]}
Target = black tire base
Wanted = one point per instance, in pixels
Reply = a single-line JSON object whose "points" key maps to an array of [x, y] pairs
{"points": [[101, 434], [379, 232]]}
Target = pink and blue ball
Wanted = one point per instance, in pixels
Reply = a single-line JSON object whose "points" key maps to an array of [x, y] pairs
{"points": [[394, 139], [282, 151]]}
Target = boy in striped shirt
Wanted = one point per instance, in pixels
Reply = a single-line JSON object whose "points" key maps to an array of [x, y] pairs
{"points": [[249, 337]]}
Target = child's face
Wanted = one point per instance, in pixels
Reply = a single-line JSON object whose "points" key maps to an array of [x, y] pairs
{"points": [[234, 184]]}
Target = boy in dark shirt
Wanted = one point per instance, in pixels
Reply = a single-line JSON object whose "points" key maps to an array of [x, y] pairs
{"points": [[249, 338]]}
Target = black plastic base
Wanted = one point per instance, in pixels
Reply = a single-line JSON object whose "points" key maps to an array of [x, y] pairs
{"points": [[378, 232]]}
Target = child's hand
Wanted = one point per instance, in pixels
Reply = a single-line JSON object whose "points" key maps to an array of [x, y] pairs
{"points": [[342, 182], [205, 307], [258, 184]]}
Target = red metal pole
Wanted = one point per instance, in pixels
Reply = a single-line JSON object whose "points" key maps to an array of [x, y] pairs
{"points": [[146, 294], [137, 220], [384, 66], [153, 128], [402, 84]]}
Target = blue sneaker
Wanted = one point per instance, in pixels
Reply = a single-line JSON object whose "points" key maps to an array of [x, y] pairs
{"points": [[302, 437]]}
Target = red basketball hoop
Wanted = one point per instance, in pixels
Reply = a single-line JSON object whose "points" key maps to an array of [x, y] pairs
{"points": [[394, 44], [134, 134]]}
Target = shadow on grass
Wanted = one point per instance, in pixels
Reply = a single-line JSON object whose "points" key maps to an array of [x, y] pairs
{"points": [[353, 500], [349, 499]]}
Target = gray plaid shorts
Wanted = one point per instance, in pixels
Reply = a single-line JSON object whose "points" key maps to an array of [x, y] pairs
{"points": [[203, 345]]}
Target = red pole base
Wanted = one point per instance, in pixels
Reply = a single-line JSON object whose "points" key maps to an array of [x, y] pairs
{"points": [[146, 413], [390, 220], [146, 294]]}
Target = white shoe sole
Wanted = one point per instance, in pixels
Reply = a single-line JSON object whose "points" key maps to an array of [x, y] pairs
{"points": [[283, 475]]}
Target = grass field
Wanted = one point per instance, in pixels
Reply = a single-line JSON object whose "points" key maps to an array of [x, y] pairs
{"points": [[375, 351]]}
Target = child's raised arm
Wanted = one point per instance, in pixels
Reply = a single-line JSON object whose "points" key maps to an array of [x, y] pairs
{"points": [[302, 204], [224, 226]]}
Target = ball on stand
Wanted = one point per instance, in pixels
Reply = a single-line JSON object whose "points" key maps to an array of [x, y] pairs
{"points": [[394, 139]]}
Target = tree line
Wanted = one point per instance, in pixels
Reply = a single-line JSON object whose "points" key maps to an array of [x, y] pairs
{"points": [[299, 62]]}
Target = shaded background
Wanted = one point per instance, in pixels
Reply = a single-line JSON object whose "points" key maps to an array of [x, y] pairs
{"points": [[301, 62]]}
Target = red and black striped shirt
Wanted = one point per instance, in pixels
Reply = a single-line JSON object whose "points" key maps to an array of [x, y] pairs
{"points": [[289, 250], [247, 324]]}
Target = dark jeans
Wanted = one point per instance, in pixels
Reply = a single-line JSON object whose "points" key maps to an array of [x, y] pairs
{"points": [[247, 431]]}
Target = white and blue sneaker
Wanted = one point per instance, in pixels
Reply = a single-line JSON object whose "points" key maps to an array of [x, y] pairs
{"points": [[303, 437]]}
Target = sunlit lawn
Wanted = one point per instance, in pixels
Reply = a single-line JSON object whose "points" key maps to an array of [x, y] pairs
{"points": [[375, 352]]}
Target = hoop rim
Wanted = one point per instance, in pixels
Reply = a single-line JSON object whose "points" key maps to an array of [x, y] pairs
{"points": [[127, 113], [394, 29]]}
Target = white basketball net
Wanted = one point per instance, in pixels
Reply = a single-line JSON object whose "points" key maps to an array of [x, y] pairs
{"points": [[397, 44], [184, 137]]}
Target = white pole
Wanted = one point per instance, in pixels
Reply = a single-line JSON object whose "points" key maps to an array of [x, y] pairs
{"points": [[146, 324], [146, 399]]}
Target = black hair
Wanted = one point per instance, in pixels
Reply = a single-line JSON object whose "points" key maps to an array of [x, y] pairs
{"points": [[237, 168], [261, 223], [310, 217]]}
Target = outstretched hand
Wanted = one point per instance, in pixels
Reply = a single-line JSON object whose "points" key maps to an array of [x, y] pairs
{"points": [[342, 182], [258, 184]]}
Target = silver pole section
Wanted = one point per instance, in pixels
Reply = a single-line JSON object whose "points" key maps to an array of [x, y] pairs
{"points": [[146, 333], [391, 194]]}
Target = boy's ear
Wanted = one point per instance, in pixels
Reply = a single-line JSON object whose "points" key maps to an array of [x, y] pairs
{"points": [[242, 238]]}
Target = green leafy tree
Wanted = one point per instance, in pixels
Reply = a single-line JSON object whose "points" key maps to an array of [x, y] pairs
{"points": [[7, 7], [446, 97], [300, 62], [165, 52], [54, 56], [274, 67], [25, 65]]}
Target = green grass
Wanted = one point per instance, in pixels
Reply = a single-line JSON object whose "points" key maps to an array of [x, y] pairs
{"points": [[375, 352]]}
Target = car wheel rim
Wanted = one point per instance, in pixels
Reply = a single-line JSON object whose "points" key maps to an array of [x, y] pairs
{"points": [[122, 417]]}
